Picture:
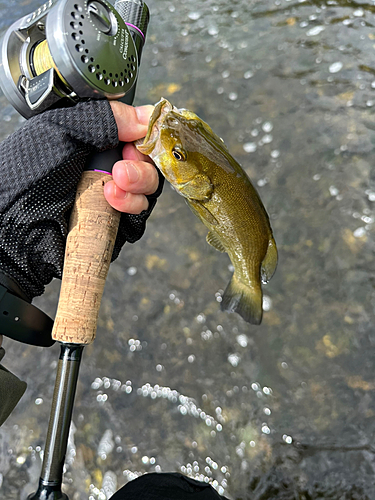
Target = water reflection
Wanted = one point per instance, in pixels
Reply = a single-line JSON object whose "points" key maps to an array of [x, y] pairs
{"points": [[284, 410]]}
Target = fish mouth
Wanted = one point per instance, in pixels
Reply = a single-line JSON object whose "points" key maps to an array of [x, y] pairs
{"points": [[147, 145]]}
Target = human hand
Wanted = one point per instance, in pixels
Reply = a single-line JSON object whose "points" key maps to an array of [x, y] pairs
{"points": [[135, 176], [40, 167]]}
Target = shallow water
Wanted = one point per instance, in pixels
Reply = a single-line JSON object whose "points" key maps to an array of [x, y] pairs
{"points": [[284, 410]]}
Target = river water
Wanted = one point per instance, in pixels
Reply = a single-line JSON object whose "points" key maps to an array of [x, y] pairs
{"points": [[285, 410]]}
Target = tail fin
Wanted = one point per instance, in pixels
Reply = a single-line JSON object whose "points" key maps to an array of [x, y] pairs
{"points": [[244, 300]]}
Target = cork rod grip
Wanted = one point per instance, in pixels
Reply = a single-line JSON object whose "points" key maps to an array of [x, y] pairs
{"points": [[92, 233]]}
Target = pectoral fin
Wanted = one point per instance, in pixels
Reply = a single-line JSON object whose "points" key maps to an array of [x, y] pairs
{"points": [[199, 188], [202, 213], [214, 241], [269, 263]]}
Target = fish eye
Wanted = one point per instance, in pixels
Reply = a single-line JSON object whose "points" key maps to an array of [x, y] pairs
{"points": [[179, 155]]}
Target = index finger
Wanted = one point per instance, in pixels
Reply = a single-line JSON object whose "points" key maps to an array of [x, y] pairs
{"points": [[132, 122]]}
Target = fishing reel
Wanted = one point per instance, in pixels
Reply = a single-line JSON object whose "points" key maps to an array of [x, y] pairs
{"points": [[69, 50]]}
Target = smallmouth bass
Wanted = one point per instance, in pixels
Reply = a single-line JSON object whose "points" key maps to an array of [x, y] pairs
{"points": [[198, 165]]}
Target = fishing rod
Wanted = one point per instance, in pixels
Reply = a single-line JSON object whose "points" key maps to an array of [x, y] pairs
{"points": [[64, 52]]}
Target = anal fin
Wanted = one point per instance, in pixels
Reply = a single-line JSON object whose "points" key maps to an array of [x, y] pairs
{"points": [[269, 263]]}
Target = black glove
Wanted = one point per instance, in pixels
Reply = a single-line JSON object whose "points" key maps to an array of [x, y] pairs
{"points": [[40, 167]]}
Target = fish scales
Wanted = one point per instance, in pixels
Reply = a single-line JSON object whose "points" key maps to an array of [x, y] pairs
{"points": [[199, 166]]}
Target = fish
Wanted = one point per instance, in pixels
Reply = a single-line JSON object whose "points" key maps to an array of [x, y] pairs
{"points": [[200, 168]]}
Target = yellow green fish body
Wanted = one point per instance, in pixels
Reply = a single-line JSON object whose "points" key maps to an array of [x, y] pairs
{"points": [[197, 163]]}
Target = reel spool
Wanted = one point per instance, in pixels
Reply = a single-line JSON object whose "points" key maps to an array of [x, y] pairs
{"points": [[68, 50]]}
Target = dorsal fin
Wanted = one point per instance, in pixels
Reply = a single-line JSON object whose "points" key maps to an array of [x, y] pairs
{"points": [[269, 263], [214, 241]]}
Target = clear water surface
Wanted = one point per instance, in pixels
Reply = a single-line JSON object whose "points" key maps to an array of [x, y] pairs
{"points": [[285, 410]]}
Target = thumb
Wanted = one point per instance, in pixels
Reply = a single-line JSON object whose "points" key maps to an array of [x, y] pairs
{"points": [[132, 122]]}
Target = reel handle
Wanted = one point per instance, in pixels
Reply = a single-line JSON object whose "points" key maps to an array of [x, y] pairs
{"points": [[92, 234]]}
